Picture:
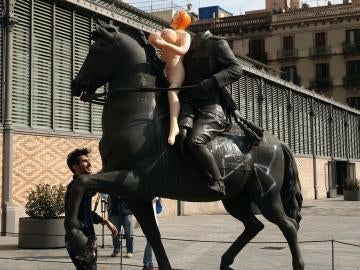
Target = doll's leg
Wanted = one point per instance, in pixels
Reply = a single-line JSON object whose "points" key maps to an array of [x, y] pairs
{"points": [[174, 105], [175, 76]]}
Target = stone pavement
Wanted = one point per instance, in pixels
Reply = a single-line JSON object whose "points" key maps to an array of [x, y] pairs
{"points": [[322, 220]]}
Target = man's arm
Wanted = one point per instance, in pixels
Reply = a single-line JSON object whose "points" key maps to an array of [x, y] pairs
{"points": [[98, 219], [229, 71]]}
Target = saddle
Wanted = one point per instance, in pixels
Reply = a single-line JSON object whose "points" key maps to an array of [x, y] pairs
{"points": [[252, 131], [230, 148]]}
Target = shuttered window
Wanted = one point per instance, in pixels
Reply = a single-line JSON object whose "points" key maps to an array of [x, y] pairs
{"points": [[21, 64], [41, 88], [295, 123], [63, 70], [243, 89], [283, 115], [96, 110], [82, 25], [50, 45], [268, 105]]}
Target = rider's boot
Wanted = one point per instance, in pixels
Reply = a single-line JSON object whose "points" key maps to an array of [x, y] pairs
{"points": [[206, 162]]}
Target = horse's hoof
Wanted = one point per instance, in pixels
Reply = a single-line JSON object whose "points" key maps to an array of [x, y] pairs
{"points": [[225, 267], [89, 255], [87, 258]]}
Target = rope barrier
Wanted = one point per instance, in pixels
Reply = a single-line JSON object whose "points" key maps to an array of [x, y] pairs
{"points": [[332, 241], [200, 241], [348, 244]]}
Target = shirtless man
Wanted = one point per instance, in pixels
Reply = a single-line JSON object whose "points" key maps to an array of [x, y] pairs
{"points": [[174, 45]]}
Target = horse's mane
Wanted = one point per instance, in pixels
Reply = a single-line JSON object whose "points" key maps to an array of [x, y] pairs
{"points": [[152, 58], [136, 34]]}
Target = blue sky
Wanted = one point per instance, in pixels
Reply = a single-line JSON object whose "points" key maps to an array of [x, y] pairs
{"points": [[233, 6]]}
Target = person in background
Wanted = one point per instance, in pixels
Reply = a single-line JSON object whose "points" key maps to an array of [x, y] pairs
{"points": [[148, 252], [120, 215], [79, 163]]}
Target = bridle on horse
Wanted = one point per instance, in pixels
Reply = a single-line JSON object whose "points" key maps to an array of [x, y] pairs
{"points": [[97, 98]]}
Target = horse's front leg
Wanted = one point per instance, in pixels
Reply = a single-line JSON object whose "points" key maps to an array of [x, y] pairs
{"points": [[144, 213], [123, 183]]}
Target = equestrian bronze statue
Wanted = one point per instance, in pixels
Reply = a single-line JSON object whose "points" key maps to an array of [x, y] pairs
{"points": [[139, 164]]}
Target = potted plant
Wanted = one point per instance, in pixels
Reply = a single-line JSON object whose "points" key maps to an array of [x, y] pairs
{"points": [[352, 189], [44, 226]]}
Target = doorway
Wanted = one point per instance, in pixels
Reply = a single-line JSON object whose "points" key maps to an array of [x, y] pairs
{"points": [[341, 174], [339, 170]]}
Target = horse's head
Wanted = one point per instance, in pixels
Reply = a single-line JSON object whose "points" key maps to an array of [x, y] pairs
{"points": [[100, 63], [113, 52]]}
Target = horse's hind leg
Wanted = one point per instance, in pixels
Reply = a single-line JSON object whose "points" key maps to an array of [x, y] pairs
{"points": [[274, 212], [240, 209], [144, 213]]}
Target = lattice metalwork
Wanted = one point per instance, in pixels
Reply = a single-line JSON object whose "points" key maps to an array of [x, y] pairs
{"points": [[298, 117]]}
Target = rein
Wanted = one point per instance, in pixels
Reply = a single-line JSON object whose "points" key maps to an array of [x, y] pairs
{"points": [[97, 98]]}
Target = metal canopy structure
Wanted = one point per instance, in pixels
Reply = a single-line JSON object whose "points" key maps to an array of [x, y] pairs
{"points": [[120, 12]]}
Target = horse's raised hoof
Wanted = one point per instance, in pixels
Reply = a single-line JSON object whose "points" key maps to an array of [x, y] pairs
{"points": [[89, 255], [299, 265], [225, 267]]}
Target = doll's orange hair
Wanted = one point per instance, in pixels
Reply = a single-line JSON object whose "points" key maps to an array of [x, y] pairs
{"points": [[182, 21]]}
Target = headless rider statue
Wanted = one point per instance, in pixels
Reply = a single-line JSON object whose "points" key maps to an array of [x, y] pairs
{"points": [[211, 64]]}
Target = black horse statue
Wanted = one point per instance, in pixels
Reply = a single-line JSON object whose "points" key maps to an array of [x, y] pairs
{"points": [[138, 164]]}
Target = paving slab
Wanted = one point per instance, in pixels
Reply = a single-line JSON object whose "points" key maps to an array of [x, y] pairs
{"points": [[323, 220]]}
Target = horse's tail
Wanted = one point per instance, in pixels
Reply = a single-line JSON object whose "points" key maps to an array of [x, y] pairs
{"points": [[291, 190]]}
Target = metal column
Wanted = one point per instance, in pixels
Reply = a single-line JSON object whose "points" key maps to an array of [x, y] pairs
{"points": [[8, 208]]}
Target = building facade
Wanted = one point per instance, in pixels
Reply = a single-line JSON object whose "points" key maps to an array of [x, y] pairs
{"points": [[294, 44], [43, 44], [317, 48]]}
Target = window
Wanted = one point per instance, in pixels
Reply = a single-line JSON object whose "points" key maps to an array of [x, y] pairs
{"points": [[353, 36], [320, 40], [257, 49], [322, 71], [353, 102], [257, 46], [353, 68], [289, 74], [288, 43]]}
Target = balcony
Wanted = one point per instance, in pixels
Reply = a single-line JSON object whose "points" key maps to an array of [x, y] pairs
{"points": [[261, 57], [352, 81], [320, 51], [351, 47], [321, 84], [232, 24], [287, 54]]}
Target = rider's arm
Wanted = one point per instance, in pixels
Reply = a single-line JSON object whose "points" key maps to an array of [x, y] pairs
{"points": [[229, 66]]}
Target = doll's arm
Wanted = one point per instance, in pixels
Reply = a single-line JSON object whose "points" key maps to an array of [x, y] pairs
{"points": [[155, 39], [182, 49]]}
